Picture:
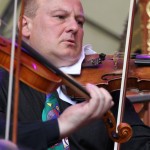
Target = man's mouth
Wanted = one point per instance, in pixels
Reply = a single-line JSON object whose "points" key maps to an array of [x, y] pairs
{"points": [[70, 42]]}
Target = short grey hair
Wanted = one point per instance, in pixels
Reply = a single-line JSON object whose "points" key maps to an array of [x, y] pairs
{"points": [[30, 8]]}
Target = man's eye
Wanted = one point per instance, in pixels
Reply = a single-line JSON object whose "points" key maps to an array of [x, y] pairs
{"points": [[81, 23], [60, 17]]}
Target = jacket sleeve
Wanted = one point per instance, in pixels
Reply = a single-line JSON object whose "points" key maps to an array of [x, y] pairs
{"points": [[38, 135], [34, 135]]}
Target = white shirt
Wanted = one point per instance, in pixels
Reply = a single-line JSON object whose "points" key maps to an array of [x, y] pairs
{"points": [[74, 69]]}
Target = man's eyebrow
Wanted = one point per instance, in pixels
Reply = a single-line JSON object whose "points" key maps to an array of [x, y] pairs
{"points": [[59, 9], [63, 10]]}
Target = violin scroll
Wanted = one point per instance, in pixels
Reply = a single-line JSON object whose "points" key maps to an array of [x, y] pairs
{"points": [[124, 132], [124, 129]]}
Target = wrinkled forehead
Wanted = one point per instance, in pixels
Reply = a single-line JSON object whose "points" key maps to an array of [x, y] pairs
{"points": [[62, 4]]}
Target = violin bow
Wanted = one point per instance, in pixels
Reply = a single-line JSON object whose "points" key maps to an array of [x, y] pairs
{"points": [[9, 101], [17, 75], [125, 67], [16, 85]]}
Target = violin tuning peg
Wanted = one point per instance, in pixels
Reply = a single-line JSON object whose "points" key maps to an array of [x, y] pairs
{"points": [[102, 56]]}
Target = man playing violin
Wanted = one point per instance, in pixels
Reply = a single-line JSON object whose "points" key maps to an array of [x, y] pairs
{"points": [[55, 29]]}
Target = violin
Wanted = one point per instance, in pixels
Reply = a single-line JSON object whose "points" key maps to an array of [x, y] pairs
{"points": [[108, 74], [32, 72], [41, 75]]}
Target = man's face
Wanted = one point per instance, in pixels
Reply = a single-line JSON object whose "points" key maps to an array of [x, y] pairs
{"points": [[57, 31]]}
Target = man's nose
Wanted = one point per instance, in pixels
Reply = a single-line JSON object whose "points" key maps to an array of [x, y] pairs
{"points": [[73, 26]]}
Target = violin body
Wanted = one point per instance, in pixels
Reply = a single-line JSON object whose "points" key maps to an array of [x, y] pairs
{"points": [[32, 72], [108, 74]]}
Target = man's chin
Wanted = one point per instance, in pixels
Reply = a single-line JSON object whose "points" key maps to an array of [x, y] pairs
{"points": [[68, 62]]}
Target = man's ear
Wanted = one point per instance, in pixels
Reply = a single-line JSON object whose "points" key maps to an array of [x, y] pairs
{"points": [[26, 26]]}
